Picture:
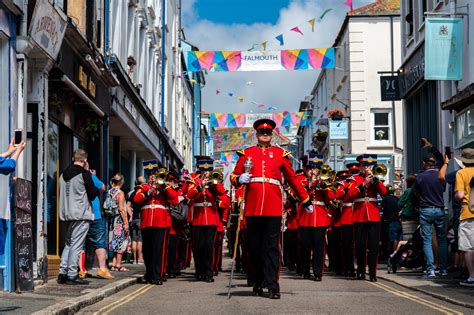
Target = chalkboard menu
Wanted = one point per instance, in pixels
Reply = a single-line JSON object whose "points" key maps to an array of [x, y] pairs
{"points": [[23, 235]]}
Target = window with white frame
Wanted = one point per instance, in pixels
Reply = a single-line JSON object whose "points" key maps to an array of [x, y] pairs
{"points": [[381, 126]]}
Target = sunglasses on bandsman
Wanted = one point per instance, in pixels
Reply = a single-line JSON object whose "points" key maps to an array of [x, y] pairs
{"points": [[267, 132]]}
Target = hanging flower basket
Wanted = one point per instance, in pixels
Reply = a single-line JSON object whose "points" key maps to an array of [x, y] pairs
{"points": [[336, 114], [320, 135]]}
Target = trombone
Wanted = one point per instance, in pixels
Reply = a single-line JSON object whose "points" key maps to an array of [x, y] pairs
{"points": [[380, 170], [216, 177]]}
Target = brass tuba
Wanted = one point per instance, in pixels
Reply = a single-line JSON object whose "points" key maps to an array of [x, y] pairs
{"points": [[216, 177], [162, 176], [380, 170]]}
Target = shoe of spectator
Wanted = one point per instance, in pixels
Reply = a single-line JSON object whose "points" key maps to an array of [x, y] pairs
{"points": [[82, 274], [430, 275], [442, 273], [140, 262], [467, 283], [104, 274], [62, 278], [77, 281]]}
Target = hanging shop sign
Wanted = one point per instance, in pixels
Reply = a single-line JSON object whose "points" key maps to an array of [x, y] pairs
{"points": [[47, 28], [443, 49], [389, 88], [295, 59], [339, 129]]}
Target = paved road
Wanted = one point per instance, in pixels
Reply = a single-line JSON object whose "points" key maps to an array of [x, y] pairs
{"points": [[331, 296]]}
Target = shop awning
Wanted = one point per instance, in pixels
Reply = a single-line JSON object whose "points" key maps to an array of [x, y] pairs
{"points": [[461, 100]]}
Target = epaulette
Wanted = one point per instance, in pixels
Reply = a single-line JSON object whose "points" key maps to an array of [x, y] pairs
{"points": [[286, 153], [351, 178], [241, 152]]}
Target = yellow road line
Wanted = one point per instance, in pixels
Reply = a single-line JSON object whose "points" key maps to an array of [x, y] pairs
{"points": [[416, 299], [127, 298]]}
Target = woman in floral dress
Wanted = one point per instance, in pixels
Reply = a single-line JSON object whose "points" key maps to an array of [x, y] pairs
{"points": [[118, 236]]}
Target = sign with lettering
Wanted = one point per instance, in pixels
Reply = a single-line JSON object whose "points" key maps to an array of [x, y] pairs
{"points": [[339, 129], [23, 235], [47, 28], [443, 49], [412, 72], [389, 88]]}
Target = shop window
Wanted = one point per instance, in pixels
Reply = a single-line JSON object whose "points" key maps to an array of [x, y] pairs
{"points": [[422, 8], [381, 126], [409, 18]]}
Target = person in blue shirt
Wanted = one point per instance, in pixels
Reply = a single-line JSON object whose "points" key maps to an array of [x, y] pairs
{"points": [[97, 235], [8, 159]]}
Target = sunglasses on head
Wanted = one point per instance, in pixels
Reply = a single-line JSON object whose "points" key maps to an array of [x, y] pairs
{"points": [[266, 132]]}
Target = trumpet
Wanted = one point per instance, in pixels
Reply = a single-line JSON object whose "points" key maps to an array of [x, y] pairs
{"points": [[216, 177], [162, 176], [380, 170], [325, 172]]}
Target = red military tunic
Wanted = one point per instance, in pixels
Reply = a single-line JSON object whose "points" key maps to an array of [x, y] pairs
{"points": [[264, 192], [204, 203], [223, 209], [155, 211], [365, 208], [320, 217], [345, 217]]}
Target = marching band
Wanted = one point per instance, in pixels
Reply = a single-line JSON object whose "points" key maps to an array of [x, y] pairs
{"points": [[315, 212]]}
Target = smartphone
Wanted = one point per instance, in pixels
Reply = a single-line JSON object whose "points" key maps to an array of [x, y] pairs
{"points": [[447, 152], [18, 136]]}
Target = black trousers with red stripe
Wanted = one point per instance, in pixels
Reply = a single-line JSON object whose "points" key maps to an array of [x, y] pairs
{"points": [[263, 242], [367, 236], [203, 249], [343, 242], [290, 248], [312, 240], [154, 252], [217, 265], [173, 267]]}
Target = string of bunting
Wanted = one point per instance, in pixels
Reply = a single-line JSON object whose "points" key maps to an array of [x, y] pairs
{"points": [[239, 120]]}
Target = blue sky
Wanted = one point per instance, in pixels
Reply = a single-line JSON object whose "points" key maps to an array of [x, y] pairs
{"points": [[240, 11]]}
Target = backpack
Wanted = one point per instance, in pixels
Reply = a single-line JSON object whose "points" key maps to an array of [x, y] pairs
{"points": [[111, 204]]}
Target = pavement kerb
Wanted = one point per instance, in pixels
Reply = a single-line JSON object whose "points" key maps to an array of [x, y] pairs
{"points": [[435, 295], [75, 304]]}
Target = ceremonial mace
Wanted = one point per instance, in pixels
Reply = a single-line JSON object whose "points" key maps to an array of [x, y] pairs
{"points": [[248, 166]]}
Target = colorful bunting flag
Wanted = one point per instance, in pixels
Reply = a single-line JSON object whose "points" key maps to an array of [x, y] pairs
{"points": [[241, 99], [280, 39], [324, 14], [349, 4], [296, 29], [217, 92], [311, 22], [264, 45]]}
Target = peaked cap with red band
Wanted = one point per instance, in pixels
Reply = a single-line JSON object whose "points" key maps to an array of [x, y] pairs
{"points": [[264, 123]]}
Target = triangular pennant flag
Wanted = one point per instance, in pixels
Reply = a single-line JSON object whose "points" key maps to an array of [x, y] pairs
{"points": [[241, 99], [193, 81], [311, 22], [349, 4], [264, 45], [217, 92], [280, 39], [214, 122], [296, 29], [230, 94], [324, 14]]}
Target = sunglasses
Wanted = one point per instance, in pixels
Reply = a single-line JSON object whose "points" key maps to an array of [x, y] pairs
{"points": [[266, 132]]}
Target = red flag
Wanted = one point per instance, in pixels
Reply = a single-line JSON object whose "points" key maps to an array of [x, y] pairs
{"points": [[297, 30], [349, 4]]}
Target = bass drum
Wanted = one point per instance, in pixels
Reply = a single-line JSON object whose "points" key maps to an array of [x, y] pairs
{"points": [[179, 212]]}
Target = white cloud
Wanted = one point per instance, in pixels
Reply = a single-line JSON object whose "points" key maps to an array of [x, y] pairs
{"points": [[281, 89]]}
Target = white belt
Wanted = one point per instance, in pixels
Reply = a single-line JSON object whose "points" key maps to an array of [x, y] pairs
{"points": [[319, 203], [366, 199], [347, 204], [203, 204], [265, 180], [154, 207]]}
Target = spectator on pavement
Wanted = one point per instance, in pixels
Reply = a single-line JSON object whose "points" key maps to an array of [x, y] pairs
{"points": [[450, 178], [135, 231], [76, 191], [428, 193], [97, 235], [119, 234], [464, 190], [408, 211], [8, 158], [391, 217]]}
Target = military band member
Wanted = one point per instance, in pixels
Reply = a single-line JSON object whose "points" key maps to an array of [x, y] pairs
{"points": [[155, 198], [204, 217], [364, 188], [263, 204], [312, 226], [223, 207]]}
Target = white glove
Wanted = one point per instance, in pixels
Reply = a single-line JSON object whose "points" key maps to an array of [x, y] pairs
{"points": [[245, 178], [309, 209]]}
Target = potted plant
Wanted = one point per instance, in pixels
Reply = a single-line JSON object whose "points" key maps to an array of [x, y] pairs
{"points": [[336, 114]]}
